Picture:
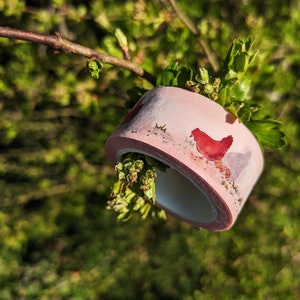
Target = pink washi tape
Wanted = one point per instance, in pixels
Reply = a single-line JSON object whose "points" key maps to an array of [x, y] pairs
{"points": [[214, 160]]}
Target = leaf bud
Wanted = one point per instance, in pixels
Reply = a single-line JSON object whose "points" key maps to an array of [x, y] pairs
{"points": [[208, 88], [203, 76], [139, 164]]}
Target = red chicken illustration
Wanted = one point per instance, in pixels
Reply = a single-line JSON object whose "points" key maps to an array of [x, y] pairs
{"points": [[211, 149]]}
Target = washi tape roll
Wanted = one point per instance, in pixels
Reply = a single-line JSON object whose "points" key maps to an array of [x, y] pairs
{"points": [[214, 160]]}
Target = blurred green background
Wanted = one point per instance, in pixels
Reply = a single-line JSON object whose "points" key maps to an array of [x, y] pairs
{"points": [[57, 240]]}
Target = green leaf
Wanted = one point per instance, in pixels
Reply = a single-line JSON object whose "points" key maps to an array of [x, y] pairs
{"points": [[121, 38], [238, 58], [123, 43], [242, 109], [240, 63], [168, 77], [267, 132], [94, 67]]}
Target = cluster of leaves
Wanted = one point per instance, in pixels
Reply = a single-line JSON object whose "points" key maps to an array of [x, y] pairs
{"points": [[94, 67], [230, 88], [134, 190]]}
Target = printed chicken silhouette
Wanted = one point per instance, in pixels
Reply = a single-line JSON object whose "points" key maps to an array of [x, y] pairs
{"points": [[211, 149]]}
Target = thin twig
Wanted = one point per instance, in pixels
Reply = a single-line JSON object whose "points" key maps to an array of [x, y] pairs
{"points": [[190, 25], [60, 44]]}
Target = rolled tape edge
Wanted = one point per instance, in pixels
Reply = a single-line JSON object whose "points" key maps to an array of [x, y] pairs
{"points": [[116, 146]]}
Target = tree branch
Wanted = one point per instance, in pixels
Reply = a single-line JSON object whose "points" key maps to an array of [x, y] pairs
{"points": [[190, 25], [58, 43]]}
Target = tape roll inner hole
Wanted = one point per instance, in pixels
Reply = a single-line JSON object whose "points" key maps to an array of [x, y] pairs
{"points": [[179, 195]]}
